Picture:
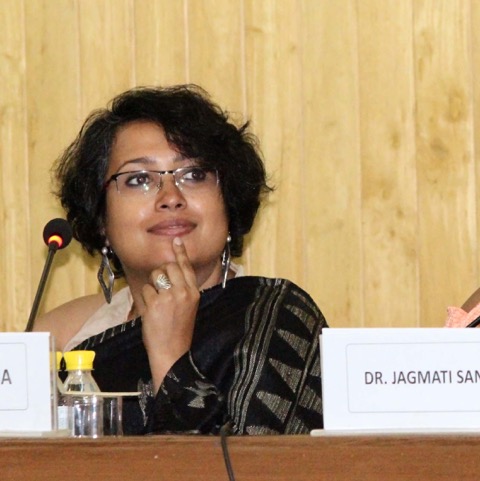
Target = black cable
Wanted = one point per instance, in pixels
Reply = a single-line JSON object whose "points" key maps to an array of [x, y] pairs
{"points": [[225, 431]]}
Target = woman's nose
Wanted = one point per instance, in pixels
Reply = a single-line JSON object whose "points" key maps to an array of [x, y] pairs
{"points": [[169, 196]]}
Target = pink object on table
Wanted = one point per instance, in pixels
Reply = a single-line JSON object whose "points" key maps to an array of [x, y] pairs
{"points": [[457, 317]]}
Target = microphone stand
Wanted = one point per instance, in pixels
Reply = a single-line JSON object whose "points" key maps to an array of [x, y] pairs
{"points": [[52, 249]]}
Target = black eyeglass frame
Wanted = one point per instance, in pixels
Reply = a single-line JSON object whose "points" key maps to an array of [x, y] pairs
{"points": [[114, 177]]}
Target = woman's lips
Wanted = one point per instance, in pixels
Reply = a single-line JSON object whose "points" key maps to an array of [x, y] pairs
{"points": [[172, 228]]}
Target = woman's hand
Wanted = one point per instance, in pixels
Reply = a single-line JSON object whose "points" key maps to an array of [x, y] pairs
{"points": [[169, 316]]}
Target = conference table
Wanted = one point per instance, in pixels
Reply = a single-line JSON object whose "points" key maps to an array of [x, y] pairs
{"points": [[382, 457]]}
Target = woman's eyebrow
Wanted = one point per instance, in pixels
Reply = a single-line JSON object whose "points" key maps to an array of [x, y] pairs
{"points": [[149, 161]]}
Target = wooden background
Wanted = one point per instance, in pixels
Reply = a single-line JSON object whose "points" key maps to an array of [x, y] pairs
{"points": [[367, 113]]}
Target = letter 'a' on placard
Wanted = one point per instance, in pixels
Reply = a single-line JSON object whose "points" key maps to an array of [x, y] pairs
{"points": [[401, 380], [27, 382]]}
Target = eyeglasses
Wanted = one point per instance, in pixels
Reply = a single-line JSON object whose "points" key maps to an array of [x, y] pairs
{"points": [[148, 182]]}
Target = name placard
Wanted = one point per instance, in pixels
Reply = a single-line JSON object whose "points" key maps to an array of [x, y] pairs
{"points": [[26, 382], [401, 379]]}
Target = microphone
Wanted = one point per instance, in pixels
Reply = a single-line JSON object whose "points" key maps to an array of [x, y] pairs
{"points": [[57, 234]]}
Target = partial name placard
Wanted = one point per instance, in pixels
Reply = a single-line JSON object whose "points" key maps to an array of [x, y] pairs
{"points": [[25, 382], [397, 378]]}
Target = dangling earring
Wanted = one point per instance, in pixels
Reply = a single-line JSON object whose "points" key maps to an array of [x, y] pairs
{"points": [[106, 270], [226, 261]]}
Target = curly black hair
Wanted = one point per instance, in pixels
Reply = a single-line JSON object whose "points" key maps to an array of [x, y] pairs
{"points": [[194, 125]]}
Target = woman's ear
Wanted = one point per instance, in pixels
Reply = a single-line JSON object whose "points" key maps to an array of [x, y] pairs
{"points": [[104, 235]]}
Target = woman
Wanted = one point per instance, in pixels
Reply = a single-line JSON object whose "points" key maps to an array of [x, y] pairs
{"points": [[165, 187]]}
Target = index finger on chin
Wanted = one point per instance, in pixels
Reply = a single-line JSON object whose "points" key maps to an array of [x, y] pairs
{"points": [[183, 260]]}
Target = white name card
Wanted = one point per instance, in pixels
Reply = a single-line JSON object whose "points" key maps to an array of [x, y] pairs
{"points": [[26, 382], [401, 379]]}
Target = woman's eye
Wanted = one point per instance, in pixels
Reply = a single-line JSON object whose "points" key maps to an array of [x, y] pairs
{"points": [[195, 174], [140, 179]]}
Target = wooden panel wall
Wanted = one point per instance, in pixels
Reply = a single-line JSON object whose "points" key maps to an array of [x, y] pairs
{"points": [[367, 111]]}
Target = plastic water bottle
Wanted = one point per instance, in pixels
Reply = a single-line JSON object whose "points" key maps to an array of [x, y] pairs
{"points": [[64, 418], [81, 392]]}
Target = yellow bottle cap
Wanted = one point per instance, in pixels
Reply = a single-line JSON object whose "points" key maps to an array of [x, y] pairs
{"points": [[79, 360]]}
